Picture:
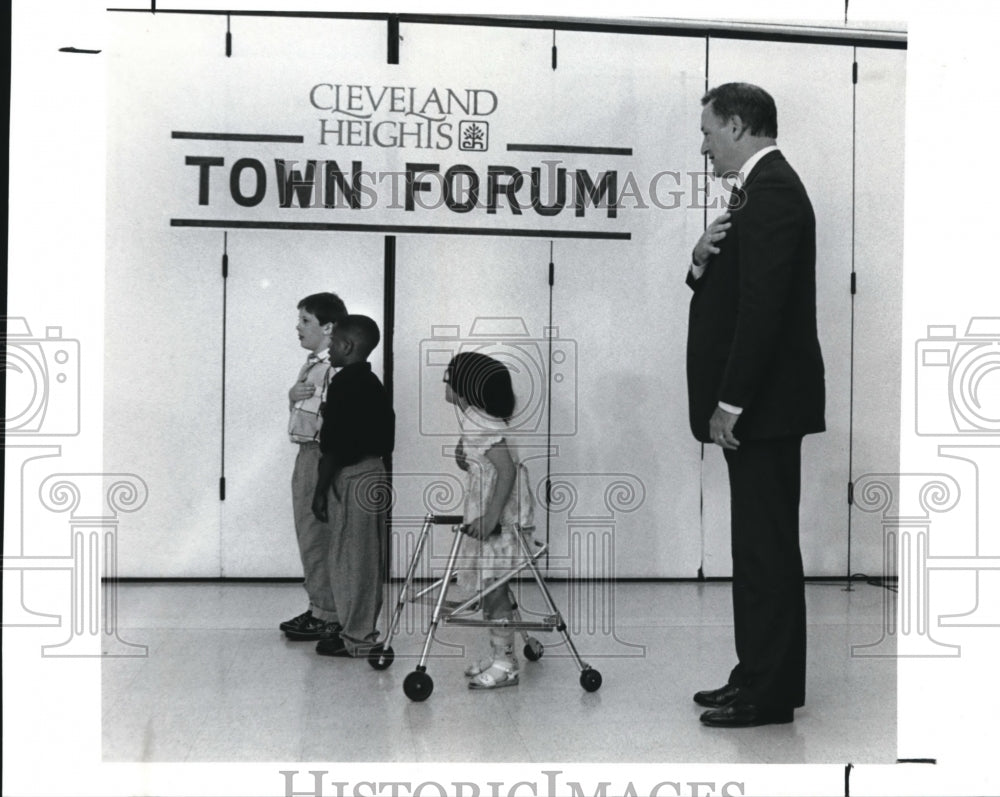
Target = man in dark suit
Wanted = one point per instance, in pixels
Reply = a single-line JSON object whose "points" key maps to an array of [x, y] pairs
{"points": [[755, 388]]}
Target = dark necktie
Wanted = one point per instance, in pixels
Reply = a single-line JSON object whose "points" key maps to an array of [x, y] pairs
{"points": [[737, 198]]}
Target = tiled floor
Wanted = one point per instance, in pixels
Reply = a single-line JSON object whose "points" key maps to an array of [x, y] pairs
{"points": [[221, 683]]}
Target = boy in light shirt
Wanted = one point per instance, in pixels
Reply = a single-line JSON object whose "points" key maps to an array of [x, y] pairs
{"points": [[318, 314]]}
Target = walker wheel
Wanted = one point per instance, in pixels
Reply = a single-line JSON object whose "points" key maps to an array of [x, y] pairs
{"points": [[380, 657], [418, 686], [590, 680], [533, 649]]}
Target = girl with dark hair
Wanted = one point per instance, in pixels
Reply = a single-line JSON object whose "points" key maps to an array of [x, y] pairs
{"points": [[497, 499]]}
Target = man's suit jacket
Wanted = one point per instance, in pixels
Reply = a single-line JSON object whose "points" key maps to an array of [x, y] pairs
{"points": [[752, 339]]}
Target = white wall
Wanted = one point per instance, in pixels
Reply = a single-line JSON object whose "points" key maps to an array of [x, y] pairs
{"points": [[621, 446]]}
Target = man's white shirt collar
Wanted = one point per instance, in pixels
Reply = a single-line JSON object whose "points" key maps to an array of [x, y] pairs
{"points": [[746, 168]]}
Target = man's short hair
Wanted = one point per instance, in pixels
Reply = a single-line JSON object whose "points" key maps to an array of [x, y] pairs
{"points": [[327, 307], [362, 330], [749, 102]]}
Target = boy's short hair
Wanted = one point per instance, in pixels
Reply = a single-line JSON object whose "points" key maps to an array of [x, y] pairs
{"points": [[327, 307], [362, 330]]}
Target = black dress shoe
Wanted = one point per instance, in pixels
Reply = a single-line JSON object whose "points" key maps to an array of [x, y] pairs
{"points": [[333, 646], [746, 715], [717, 698]]}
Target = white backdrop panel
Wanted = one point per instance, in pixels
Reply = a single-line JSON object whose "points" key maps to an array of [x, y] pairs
{"points": [[164, 324], [630, 469], [269, 273], [461, 294], [162, 393], [811, 85], [878, 303]]}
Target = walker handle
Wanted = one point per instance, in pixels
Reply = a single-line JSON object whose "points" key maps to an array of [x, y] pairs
{"points": [[446, 520]]}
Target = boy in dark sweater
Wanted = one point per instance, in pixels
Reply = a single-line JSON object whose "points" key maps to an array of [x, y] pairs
{"points": [[352, 493]]}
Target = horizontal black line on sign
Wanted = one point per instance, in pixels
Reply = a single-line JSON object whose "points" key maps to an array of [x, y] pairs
{"points": [[238, 137], [79, 50], [312, 226], [569, 149]]}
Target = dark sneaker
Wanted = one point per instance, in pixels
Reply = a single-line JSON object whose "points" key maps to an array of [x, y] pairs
{"points": [[296, 622], [313, 629], [333, 646]]}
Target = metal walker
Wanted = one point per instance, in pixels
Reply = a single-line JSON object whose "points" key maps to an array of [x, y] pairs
{"points": [[418, 685]]}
